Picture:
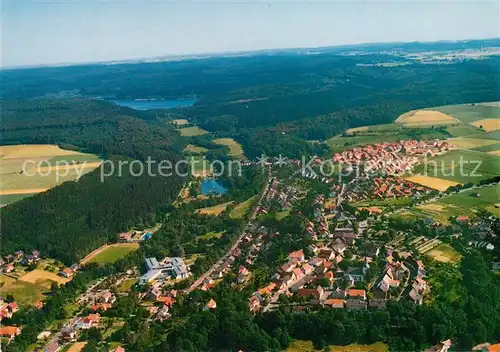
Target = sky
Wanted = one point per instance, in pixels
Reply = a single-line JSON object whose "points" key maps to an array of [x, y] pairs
{"points": [[70, 31]]}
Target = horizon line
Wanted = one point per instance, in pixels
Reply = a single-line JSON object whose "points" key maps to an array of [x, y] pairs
{"points": [[206, 55]]}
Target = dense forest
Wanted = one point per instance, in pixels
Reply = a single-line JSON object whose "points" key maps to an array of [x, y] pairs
{"points": [[71, 220]]}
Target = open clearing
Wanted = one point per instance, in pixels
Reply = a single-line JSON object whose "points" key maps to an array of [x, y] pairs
{"points": [[110, 253], [444, 253], [211, 234], [487, 124], [30, 169], [214, 210], [425, 118], [192, 131], [25, 293], [200, 167], [179, 122], [235, 148], [307, 346], [195, 149], [432, 182], [38, 276], [241, 209]]}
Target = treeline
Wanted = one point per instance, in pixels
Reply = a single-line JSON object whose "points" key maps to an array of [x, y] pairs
{"points": [[71, 220]]}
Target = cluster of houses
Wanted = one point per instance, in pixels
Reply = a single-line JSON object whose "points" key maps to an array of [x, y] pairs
{"points": [[7, 310], [166, 269], [70, 333], [304, 278], [19, 257], [135, 236], [384, 188], [392, 158], [164, 300]]}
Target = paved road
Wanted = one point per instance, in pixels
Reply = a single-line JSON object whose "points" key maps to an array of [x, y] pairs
{"points": [[71, 322], [199, 281]]}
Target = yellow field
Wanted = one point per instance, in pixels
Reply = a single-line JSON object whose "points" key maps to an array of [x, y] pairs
{"points": [[235, 148], [495, 152], [444, 253], [38, 276], [195, 149], [33, 150], [470, 143], [307, 346], [215, 210], [425, 117], [179, 122], [358, 129], [432, 182], [30, 169], [192, 131], [77, 346], [488, 124]]}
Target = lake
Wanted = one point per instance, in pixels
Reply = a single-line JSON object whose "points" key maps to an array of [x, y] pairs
{"points": [[210, 186], [138, 104]]}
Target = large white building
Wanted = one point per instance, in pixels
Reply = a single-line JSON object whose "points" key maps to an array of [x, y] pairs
{"points": [[167, 268]]}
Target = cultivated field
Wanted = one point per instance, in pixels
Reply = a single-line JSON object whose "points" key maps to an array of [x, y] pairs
{"points": [[469, 113], [432, 182], [199, 167], [487, 124], [214, 210], [421, 118], [195, 149], [179, 122], [110, 253], [77, 346], [235, 148], [30, 169], [460, 166], [463, 203], [471, 143], [307, 346], [444, 253], [192, 131], [38, 276], [26, 293]]}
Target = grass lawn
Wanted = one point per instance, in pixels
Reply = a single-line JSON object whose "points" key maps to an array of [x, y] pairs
{"points": [[211, 234], [282, 214], [471, 143], [489, 148], [126, 285], [112, 253], [241, 209], [192, 131], [214, 210], [307, 346], [235, 148], [195, 149]]}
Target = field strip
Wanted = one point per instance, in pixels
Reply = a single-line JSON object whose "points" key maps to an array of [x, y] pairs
{"points": [[432, 182], [37, 275], [490, 124], [84, 165], [6, 192]]}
